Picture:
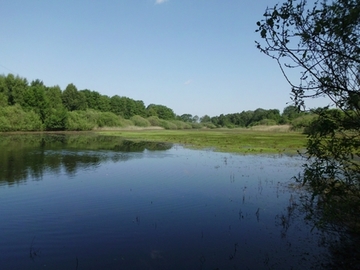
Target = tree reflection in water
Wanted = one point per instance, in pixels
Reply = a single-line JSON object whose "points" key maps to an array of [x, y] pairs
{"points": [[30, 156]]}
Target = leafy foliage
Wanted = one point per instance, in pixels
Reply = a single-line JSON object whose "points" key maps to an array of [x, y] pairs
{"points": [[160, 111], [322, 42], [140, 121], [73, 99], [13, 118], [54, 106], [127, 107]]}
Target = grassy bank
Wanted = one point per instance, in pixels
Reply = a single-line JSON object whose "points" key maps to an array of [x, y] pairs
{"points": [[225, 140]]}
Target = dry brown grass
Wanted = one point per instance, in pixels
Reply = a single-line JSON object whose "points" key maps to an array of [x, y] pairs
{"points": [[277, 128], [127, 128]]}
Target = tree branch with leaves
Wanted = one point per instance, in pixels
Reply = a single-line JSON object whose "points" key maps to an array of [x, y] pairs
{"points": [[321, 43]]}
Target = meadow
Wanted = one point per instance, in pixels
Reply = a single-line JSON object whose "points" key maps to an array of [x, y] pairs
{"points": [[244, 141]]}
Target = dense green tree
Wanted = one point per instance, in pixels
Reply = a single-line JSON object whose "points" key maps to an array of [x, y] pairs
{"points": [[160, 111], [215, 120], [116, 105], [37, 82], [14, 88], [35, 99], [3, 100], [96, 101], [140, 108], [258, 115], [127, 107], [73, 99], [57, 114], [186, 117], [246, 117], [322, 42], [290, 113], [120, 106], [54, 97], [273, 114], [205, 119], [224, 121], [104, 103]]}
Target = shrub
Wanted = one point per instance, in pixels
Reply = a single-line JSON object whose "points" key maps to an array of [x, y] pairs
{"points": [[14, 118], [126, 122], [77, 121], [181, 125], [167, 124], [267, 122], [108, 119], [56, 119], [209, 125], [302, 121], [154, 121], [140, 121], [196, 125]]}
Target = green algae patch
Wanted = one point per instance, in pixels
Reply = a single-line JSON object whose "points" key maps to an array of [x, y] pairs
{"points": [[243, 141]]}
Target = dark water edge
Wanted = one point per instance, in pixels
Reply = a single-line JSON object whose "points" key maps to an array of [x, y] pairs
{"points": [[95, 202], [25, 156]]}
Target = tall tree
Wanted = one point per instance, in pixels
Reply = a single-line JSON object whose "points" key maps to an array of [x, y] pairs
{"points": [[34, 98], [57, 114], [73, 99], [14, 88], [205, 119], [186, 117], [160, 111], [290, 112], [96, 101], [322, 42]]}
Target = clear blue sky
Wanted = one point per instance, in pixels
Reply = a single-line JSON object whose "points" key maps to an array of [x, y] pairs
{"points": [[194, 56]]}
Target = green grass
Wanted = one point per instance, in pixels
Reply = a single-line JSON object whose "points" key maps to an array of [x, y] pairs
{"points": [[224, 140]]}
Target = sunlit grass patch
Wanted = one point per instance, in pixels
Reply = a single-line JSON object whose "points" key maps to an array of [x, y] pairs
{"points": [[224, 140]]}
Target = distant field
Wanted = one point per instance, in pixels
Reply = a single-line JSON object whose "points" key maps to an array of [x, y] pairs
{"points": [[247, 141]]}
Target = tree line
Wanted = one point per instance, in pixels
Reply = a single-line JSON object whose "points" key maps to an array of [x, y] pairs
{"points": [[34, 106]]}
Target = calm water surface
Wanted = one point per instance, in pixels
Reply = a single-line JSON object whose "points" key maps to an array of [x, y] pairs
{"points": [[72, 203]]}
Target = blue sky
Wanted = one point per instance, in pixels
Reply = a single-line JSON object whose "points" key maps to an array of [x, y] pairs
{"points": [[194, 56]]}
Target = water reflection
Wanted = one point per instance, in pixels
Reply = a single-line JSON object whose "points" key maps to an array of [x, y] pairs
{"points": [[30, 156], [106, 203]]}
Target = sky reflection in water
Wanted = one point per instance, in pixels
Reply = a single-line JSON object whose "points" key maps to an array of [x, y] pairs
{"points": [[171, 209]]}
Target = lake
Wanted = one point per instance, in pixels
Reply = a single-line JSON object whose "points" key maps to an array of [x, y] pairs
{"points": [[101, 202]]}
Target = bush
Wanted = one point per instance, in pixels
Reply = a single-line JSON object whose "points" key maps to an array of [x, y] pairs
{"points": [[109, 119], [208, 125], [267, 122], [140, 121], [196, 125], [167, 124], [90, 119], [14, 118], [126, 122], [154, 121], [56, 119], [181, 125], [302, 122], [77, 121]]}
